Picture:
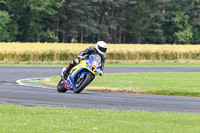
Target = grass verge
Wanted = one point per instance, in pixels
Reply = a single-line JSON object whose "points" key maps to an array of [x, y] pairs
{"points": [[180, 84], [117, 63], [50, 120]]}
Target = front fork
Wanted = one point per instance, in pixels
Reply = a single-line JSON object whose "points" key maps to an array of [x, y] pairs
{"points": [[64, 68], [62, 77]]}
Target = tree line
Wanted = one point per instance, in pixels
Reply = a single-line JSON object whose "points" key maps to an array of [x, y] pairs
{"points": [[114, 21]]}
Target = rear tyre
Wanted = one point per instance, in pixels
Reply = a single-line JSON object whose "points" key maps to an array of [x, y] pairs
{"points": [[60, 86], [85, 81]]}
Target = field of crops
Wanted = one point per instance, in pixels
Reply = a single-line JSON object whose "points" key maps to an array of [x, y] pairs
{"points": [[61, 52]]}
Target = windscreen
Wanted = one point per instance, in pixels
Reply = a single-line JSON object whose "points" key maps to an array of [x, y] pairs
{"points": [[95, 57]]}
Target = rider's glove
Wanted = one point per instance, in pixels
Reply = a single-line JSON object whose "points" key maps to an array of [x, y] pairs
{"points": [[80, 57], [101, 73]]}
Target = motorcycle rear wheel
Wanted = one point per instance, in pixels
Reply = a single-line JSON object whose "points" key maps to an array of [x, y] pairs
{"points": [[88, 77], [60, 86]]}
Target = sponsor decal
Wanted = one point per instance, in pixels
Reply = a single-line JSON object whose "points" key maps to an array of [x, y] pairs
{"points": [[95, 64]]}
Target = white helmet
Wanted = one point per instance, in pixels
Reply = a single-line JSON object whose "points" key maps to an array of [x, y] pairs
{"points": [[101, 47]]}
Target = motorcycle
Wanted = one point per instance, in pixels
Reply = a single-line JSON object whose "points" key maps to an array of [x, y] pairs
{"points": [[80, 75]]}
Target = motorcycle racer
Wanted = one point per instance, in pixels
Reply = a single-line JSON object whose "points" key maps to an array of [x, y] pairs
{"points": [[100, 49]]}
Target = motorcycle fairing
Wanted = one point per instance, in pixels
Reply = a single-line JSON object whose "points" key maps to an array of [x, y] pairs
{"points": [[71, 78], [84, 64]]}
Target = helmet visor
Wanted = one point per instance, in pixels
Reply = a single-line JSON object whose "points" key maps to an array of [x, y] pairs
{"points": [[102, 49]]}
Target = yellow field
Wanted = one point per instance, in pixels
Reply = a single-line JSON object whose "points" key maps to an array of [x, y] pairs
{"points": [[40, 47], [59, 51]]}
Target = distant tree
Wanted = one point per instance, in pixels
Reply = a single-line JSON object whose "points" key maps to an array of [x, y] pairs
{"points": [[114, 21], [32, 20], [194, 13], [155, 32], [139, 20], [41, 23], [184, 29], [179, 26], [121, 20], [76, 20], [82, 16], [4, 20]]}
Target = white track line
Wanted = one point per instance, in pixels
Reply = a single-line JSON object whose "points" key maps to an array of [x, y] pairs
{"points": [[20, 83]]}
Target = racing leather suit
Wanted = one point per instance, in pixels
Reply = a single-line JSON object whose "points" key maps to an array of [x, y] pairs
{"points": [[86, 52]]}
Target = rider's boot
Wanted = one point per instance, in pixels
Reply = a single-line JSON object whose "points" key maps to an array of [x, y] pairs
{"points": [[71, 65]]}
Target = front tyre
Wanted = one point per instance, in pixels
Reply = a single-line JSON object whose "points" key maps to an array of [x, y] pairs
{"points": [[60, 86], [78, 88]]}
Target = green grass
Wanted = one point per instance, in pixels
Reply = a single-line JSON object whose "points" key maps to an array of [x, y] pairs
{"points": [[108, 63], [180, 84], [154, 65], [53, 63], [53, 120]]}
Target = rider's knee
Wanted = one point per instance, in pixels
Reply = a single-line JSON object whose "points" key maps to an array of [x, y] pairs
{"points": [[74, 62]]}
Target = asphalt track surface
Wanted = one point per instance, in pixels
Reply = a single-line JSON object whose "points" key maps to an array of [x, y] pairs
{"points": [[15, 94]]}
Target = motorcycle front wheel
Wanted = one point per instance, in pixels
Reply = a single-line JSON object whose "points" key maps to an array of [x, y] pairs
{"points": [[81, 84], [60, 86]]}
